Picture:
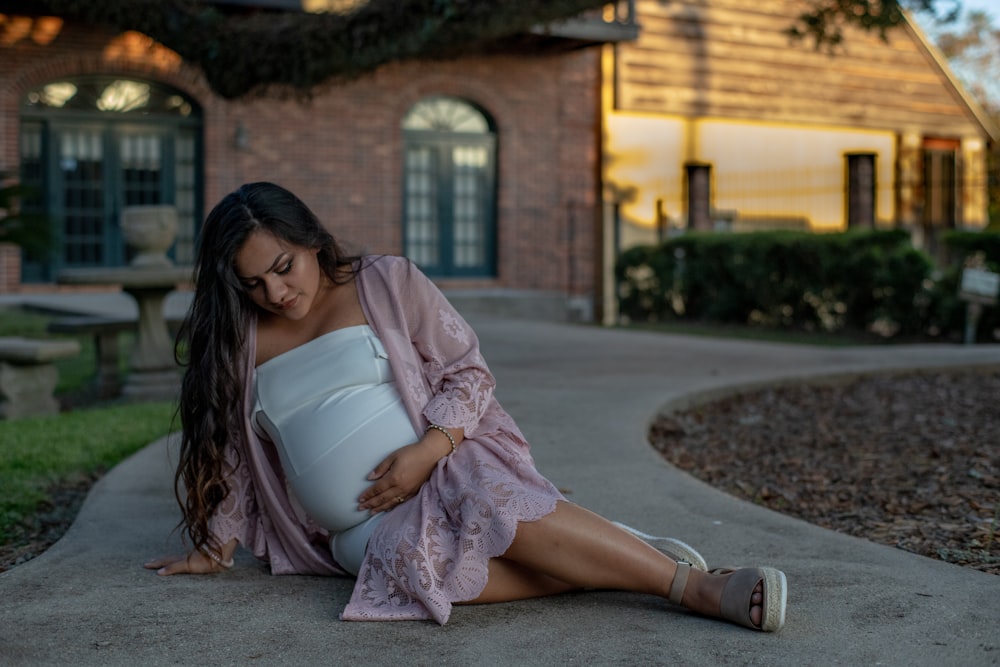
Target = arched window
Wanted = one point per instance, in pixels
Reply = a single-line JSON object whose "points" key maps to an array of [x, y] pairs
{"points": [[449, 188], [92, 145]]}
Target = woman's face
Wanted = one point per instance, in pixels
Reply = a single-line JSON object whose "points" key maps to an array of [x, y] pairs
{"points": [[280, 278]]}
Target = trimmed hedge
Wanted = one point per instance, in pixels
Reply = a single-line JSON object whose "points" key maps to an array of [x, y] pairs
{"points": [[861, 281]]}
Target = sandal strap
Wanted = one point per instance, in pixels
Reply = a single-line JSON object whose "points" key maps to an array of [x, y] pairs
{"points": [[680, 582], [735, 603]]}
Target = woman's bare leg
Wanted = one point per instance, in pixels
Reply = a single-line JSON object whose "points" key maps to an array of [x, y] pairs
{"points": [[510, 581], [574, 545], [573, 548], [545, 557]]}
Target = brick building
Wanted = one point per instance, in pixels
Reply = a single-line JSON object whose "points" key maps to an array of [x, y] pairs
{"points": [[484, 169]]}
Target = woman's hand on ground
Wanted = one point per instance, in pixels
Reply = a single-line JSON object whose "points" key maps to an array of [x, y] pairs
{"points": [[193, 563]]}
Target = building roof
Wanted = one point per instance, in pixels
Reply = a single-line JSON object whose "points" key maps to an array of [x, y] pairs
{"points": [[988, 125], [735, 59]]}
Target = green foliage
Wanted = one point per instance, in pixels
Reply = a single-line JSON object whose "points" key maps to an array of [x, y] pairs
{"points": [[245, 51], [824, 21], [39, 453], [962, 245], [972, 47], [947, 313], [854, 281]]}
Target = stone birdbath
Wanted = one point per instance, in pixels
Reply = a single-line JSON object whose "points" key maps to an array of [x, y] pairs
{"points": [[149, 278]]}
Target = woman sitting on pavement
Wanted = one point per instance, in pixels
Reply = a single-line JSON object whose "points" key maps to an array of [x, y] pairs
{"points": [[338, 418]]}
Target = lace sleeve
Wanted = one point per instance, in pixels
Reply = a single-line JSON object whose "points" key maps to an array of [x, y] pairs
{"points": [[235, 515], [461, 383]]}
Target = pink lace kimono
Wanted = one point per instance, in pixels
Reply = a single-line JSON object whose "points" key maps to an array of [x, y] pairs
{"points": [[433, 549]]}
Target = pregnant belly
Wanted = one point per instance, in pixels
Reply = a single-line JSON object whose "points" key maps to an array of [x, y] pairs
{"points": [[329, 487]]}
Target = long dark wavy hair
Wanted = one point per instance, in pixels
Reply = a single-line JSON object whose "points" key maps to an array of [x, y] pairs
{"points": [[212, 342]]}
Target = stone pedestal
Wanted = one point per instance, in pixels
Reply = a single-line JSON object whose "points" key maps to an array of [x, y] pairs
{"points": [[153, 373], [28, 377], [149, 278]]}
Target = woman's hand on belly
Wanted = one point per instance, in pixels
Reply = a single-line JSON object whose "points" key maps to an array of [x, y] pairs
{"points": [[401, 474]]}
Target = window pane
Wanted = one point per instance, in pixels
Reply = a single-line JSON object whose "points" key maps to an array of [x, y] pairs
{"points": [[449, 168], [421, 222], [468, 205], [141, 165], [81, 160], [31, 166], [445, 114], [111, 95]]}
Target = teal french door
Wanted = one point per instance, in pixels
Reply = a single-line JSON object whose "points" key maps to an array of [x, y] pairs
{"points": [[449, 207], [449, 188], [89, 147], [94, 172]]}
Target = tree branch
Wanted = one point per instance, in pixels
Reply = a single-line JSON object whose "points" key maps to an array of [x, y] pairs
{"points": [[824, 23], [247, 52]]}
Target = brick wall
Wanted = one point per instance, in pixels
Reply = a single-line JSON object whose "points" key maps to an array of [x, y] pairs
{"points": [[10, 268], [341, 150]]}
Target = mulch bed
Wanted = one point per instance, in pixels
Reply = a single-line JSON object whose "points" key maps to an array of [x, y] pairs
{"points": [[51, 521], [911, 461]]}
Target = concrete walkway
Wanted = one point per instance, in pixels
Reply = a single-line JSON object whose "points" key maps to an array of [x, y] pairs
{"points": [[584, 396]]}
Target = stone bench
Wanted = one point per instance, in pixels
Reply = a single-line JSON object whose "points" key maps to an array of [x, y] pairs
{"points": [[28, 376], [105, 331]]}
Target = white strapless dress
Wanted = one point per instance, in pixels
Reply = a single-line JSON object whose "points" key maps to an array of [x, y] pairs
{"points": [[332, 409]]}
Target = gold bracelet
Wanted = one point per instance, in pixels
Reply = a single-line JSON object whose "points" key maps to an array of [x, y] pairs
{"points": [[447, 435]]}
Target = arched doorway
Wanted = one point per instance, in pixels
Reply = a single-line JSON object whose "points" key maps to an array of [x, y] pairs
{"points": [[92, 145], [449, 188]]}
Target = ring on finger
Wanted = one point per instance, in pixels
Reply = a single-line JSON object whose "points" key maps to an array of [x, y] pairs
{"points": [[400, 499]]}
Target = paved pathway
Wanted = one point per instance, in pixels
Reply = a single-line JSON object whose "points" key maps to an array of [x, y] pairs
{"points": [[584, 396]]}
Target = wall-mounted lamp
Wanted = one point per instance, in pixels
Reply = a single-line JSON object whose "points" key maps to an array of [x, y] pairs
{"points": [[241, 138]]}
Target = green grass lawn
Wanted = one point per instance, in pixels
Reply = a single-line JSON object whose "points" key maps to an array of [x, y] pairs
{"points": [[38, 455]]}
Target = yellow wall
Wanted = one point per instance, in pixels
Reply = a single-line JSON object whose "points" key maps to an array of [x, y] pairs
{"points": [[765, 173]]}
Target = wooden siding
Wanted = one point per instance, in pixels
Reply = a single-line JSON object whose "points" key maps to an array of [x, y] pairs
{"points": [[731, 59]]}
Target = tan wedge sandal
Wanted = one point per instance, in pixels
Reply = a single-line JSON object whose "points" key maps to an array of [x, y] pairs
{"points": [[738, 591]]}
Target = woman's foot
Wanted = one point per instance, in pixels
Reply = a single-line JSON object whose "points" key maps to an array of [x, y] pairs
{"points": [[754, 597]]}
